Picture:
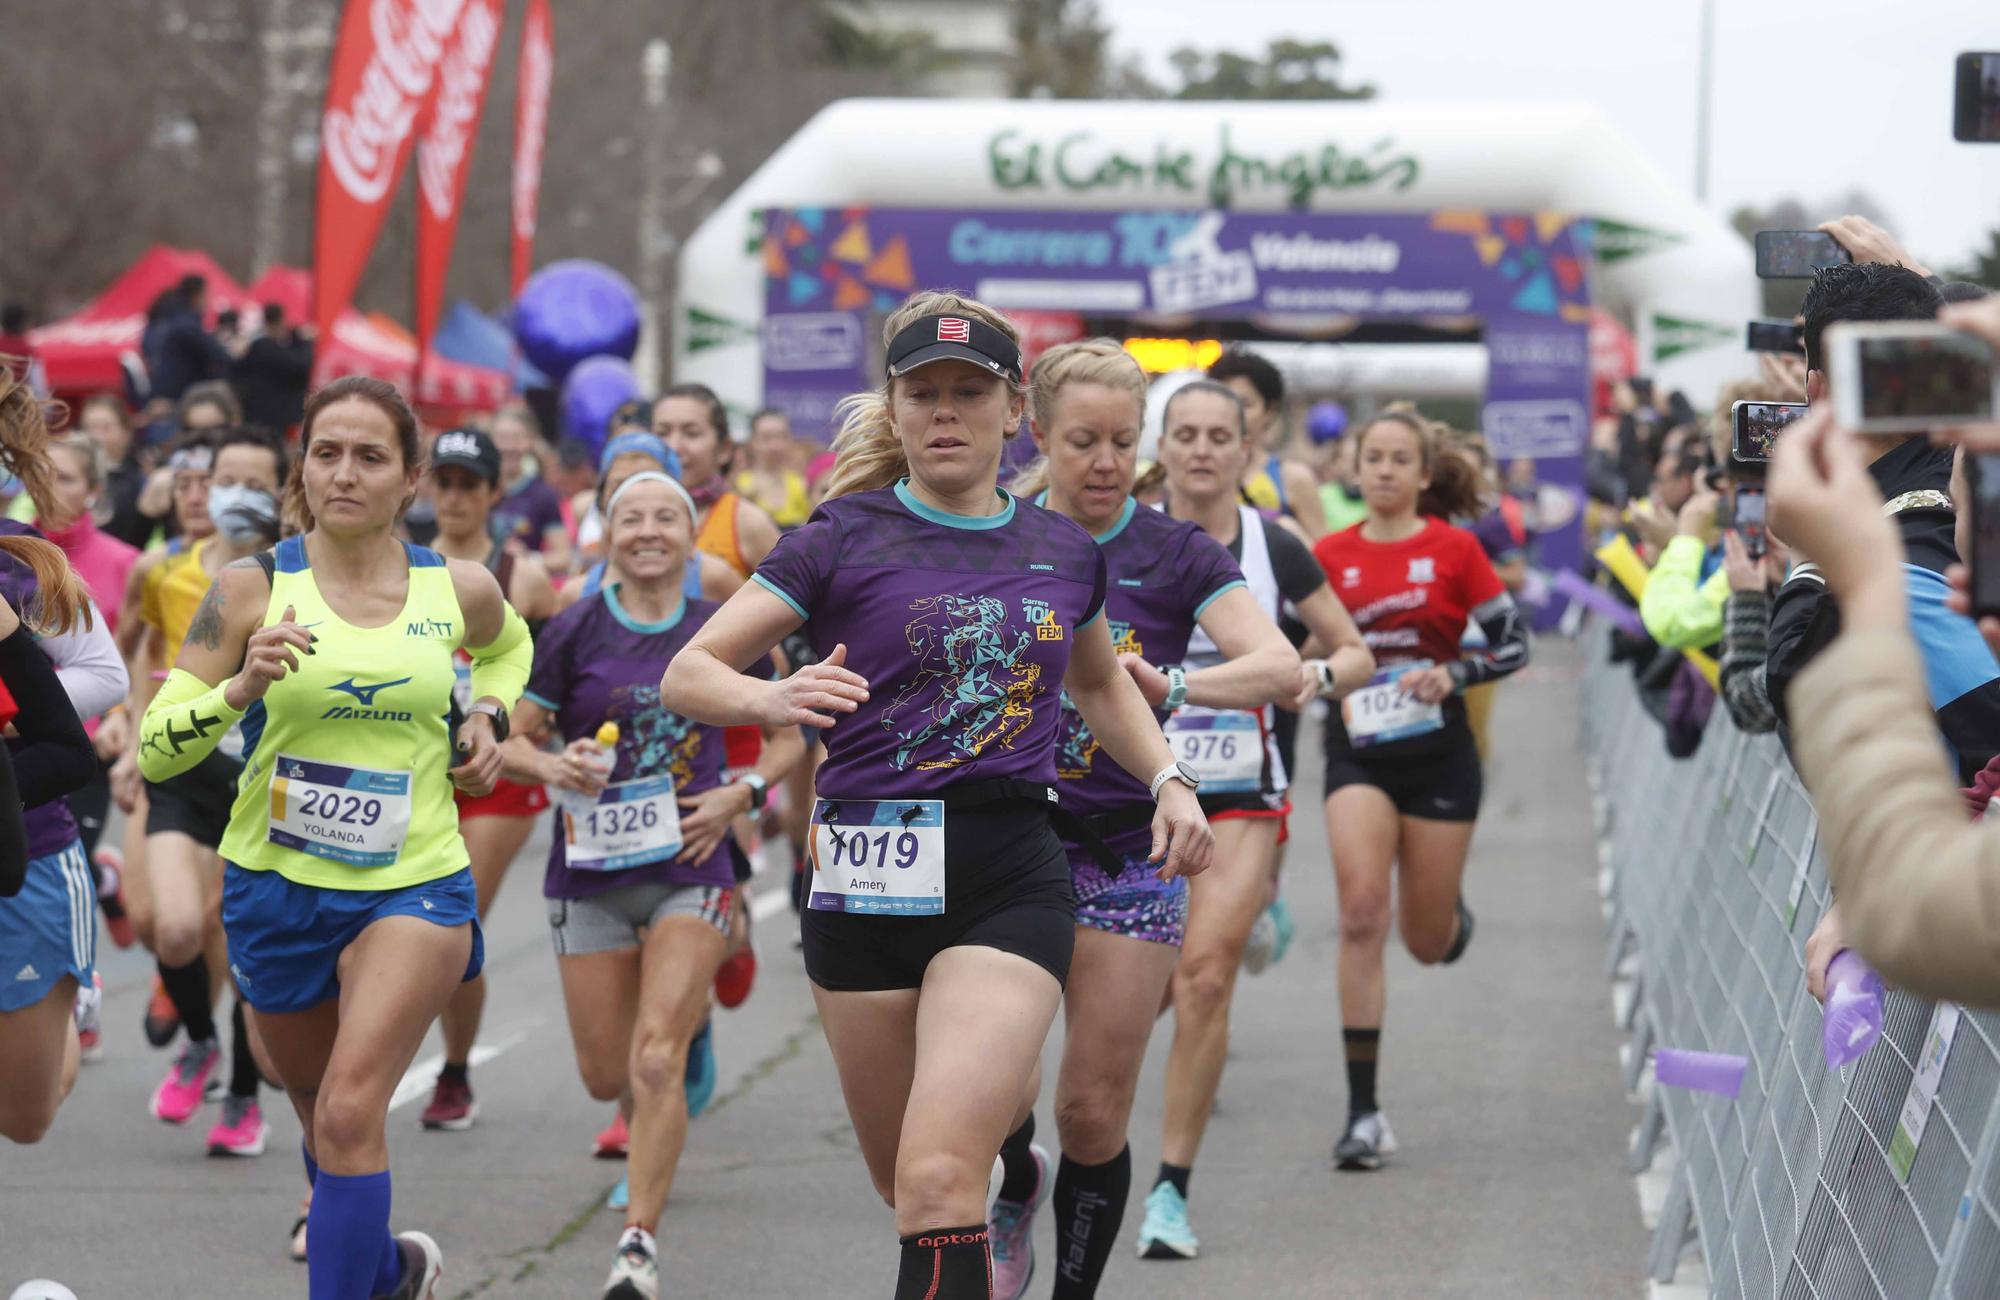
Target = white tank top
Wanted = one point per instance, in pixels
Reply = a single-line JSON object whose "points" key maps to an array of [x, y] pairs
{"points": [[1262, 581]]}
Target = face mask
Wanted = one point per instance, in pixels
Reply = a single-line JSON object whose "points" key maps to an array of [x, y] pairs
{"points": [[243, 513]]}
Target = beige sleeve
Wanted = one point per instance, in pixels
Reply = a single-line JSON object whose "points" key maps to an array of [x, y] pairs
{"points": [[1919, 885]]}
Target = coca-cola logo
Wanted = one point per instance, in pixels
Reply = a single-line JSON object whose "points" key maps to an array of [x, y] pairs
{"points": [[460, 83], [364, 137], [535, 76]]}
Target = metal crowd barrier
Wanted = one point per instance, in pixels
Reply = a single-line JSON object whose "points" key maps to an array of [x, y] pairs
{"points": [[1810, 1183]]}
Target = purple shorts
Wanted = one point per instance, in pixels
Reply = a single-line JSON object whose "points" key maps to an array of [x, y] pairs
{"points": [[1135, 903]]}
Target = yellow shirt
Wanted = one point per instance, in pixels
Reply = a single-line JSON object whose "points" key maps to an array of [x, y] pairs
{"points": [[174, 589]]}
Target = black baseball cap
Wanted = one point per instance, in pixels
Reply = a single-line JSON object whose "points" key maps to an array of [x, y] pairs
{"points": [[467, 448], [946, 337]]}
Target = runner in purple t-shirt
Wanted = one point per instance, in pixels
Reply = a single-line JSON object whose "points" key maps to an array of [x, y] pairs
{"points": [[1164, 577], [948, 618], [639, 883], [531, 510]]}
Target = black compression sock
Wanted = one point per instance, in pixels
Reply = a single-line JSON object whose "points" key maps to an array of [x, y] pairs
{"points": [[455, 1073], [187, 986], [1178, 1175], [1090, 1206], [243, 1077], [946, 1264], [1363, 1045], [1018, 1183]]}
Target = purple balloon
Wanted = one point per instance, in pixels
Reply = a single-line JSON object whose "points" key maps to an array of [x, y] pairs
{"points": [[594, 391], [572, 310]]}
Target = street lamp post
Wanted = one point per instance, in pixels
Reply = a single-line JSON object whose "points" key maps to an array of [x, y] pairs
{"points": [[654, 244]]}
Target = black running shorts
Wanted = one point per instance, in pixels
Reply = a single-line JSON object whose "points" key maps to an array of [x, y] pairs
{"points": [[195, 802], [1007, 886], [1443, 786]]}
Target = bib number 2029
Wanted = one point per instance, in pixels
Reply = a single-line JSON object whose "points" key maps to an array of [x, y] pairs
{"points": [[878, 858]]}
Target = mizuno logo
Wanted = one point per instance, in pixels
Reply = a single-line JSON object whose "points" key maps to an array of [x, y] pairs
{"points": [[365, 695], [347, 712]]}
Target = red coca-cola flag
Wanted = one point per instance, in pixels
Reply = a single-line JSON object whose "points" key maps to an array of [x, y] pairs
{"points": [[444, 153], [384, 66], [531, 123]]}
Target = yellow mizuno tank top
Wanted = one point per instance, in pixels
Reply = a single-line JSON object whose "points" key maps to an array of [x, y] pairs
{"points": [[345, 781], [174, 590]]}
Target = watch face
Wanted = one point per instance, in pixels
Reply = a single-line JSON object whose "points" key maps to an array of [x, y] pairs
{"points": [[1188, 774]]}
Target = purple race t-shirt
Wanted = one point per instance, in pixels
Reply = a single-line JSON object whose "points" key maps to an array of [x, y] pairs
{"points": [[528, 512], [1162, 573], [595, 663], [961, 625], [49, 827]]}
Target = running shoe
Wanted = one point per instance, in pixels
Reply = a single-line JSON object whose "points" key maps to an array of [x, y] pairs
{"points": [[1010, 1228], [1165, 1233], [111, 896], [701, 1069], [181, 1093], [613, 1142], [635, 1270], [423, 1264], [90, 1018], [735, 977], [1260, 950], [1280, 913], [1364, 1144], [620, 1198], [1464, 939], [162, 1021], [452, 1107], [241, 1131], [296, 1247]]}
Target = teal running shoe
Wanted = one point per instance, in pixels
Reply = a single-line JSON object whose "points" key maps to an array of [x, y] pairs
{"points": [[1165, 1233], [701, 1070]]}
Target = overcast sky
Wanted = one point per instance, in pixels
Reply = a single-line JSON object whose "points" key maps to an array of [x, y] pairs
{"points": [[1812, 97]]}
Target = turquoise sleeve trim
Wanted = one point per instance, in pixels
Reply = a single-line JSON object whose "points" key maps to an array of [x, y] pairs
{"points": [[1216, 595], [1092, 619], [540, 701], [779, 592]]}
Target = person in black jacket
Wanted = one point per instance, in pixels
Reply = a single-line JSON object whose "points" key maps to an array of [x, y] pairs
{"points": [[272, 374], [179, 350]]}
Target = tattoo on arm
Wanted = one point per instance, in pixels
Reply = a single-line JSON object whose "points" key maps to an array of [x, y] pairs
{"points": [[206, 629]]}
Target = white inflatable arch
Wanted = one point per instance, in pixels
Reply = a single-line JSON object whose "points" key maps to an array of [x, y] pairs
{"points": [[1668, 267]]}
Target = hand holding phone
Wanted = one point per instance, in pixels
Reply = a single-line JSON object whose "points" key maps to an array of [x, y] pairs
{"points": [[1908, 376], [1753, 430], [1982, 472], [1796, 254], [1780, 336], [1748, 522]]}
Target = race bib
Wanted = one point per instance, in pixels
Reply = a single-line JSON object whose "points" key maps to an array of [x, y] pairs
{"points": [[1225, 747], [880, 859], [634, 823], [354, 815], [1380, 712]]}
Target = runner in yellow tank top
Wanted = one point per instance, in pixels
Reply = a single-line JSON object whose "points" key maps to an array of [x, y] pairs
{"points": [[350, 913]]}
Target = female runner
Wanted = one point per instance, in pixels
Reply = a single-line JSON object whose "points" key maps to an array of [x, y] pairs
{"points": [[466, 486], [350, 912], [1402, 772], [1206, 444], [1166, 576], [947, 618], [641, 887]]}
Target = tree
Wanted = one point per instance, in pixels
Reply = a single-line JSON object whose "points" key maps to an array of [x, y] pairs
{"points": [[1289, 69], [1984, 268]]}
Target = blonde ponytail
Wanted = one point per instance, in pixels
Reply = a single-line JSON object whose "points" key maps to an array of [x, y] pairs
{"points": [[867, 452]]}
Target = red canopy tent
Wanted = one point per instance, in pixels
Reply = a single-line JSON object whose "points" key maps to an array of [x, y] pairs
{"points": [[85, 353]]}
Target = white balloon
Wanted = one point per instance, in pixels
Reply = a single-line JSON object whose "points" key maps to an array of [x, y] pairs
{"points": [[42, 1288]]}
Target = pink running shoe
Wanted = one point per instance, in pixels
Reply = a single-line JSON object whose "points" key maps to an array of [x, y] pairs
{"points": [[1010, 1230], [241, 1130], [613, 1142], [179, 1095]]}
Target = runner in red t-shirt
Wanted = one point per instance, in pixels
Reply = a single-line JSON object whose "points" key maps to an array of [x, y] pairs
{"points": [[1402, 774]]}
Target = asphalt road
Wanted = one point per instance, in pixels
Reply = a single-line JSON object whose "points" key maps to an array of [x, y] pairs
{"points": [[1500, 1075]]}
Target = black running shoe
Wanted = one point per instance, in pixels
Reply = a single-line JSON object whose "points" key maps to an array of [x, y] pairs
{"points": [[1464, 939], [1364, 1144]]}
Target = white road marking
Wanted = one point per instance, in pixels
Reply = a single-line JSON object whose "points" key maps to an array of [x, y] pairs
{"points": [[422, 1075]]}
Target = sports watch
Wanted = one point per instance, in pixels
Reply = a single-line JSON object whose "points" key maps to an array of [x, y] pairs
{"points": [[1176, 685], [1176, 771], [496, 714], [759, 789]]}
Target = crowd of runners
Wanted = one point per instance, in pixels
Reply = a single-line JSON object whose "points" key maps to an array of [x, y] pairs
{"points": [[1024, 739]]}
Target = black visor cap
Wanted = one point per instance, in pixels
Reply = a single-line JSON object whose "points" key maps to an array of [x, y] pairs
{"points": [[947, 337]]}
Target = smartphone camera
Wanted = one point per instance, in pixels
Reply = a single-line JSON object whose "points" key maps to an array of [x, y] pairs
{"points": [[1796, 254], [1908, 376], [1747, 522], [1780, 336], [1976, 103], [1753, 430], [1984, 473]]}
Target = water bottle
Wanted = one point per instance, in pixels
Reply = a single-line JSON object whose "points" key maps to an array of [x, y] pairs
{"points": [[1853, 1009], [575, 802]]}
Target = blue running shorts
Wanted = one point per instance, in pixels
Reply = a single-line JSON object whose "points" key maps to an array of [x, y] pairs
{"points": [[49, 929]]}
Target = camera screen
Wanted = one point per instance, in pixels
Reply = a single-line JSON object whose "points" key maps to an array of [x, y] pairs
{"points": [[1935, 377], [1977, 120], [1758, 425], [1777, 336], [1986, 533], [1796, 254], [1749, 510]]}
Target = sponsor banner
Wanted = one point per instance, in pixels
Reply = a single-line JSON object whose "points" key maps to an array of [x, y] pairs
{"points": [[531, 122], [383, 73], [444, 152]]}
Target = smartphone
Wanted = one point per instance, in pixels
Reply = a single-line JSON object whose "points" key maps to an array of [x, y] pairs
{"points": [[1796, 254], [1777, 336], [1984, 473], [1753, 429], [1908, 376], [1747, 522], [1975, 116]]}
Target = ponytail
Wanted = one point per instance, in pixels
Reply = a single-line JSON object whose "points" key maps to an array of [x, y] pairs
{"points": [[61, 601], [1457, 489]]}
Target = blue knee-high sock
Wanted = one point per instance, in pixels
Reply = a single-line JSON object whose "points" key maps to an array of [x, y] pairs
{"points": [[353, 1257]]}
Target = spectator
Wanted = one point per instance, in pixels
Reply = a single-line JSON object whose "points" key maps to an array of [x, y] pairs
{"points": [[179, 350], [206, 408], [530, 512], [273, 373], [103, 420], [1919, 886], [1640, 432], [1914, 478]]}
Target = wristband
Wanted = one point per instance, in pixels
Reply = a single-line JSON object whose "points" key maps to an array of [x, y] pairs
{"points": [[1176, 685]]}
